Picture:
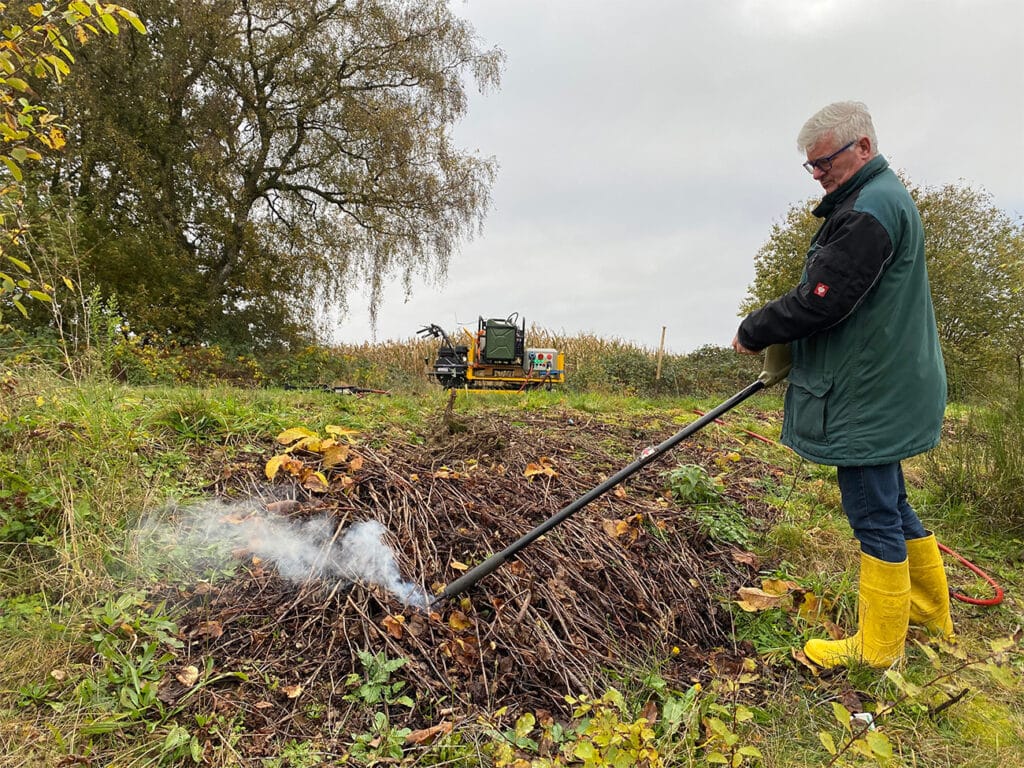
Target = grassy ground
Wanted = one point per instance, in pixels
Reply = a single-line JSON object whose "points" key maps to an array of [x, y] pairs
{"points": [[87, 653]]}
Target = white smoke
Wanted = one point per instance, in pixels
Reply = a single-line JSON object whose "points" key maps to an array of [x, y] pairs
{"points": [[300, 550]]}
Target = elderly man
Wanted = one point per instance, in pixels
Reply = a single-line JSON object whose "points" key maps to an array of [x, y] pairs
{"points": [[867, 388]]}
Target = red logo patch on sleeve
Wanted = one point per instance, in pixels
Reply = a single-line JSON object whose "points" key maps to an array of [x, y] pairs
{"points": [[820, 290]]}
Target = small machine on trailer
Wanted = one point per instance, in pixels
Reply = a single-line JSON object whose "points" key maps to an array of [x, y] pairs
{"points": [[495, 357]]}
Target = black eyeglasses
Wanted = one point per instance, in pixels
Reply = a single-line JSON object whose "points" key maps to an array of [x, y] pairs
{"points": [[824, 164]]}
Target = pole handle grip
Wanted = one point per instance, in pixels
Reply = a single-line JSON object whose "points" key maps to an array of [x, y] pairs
{"points": [[777, 362]]}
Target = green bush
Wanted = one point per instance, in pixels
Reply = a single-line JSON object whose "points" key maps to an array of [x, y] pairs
{"points": [[981, 460]]}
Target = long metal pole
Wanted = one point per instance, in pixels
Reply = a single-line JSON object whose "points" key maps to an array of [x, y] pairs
{"points": [[474, 575]]}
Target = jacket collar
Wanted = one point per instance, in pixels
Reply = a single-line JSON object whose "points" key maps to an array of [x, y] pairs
{"points": [[831, 201]]}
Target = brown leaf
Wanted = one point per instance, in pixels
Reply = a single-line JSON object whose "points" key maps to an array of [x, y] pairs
{"points": [[283, 507], [746, 558], [335, 455], [650, 712], [356, 464], [292, 691], [210, 629], [801, 657], [394, 625], [753, 599], [459, 621], [427, 735]]}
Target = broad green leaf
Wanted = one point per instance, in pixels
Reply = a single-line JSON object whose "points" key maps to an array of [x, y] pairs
{"points": [[17, 84], [716, 758], [21, 307], [40, 296]]}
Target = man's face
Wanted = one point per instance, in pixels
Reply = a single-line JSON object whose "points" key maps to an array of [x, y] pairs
{"points": [[844, 165]]}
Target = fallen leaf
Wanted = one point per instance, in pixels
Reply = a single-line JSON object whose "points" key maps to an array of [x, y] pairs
{"points": [[746, 558], [263, 705], [335, 455], [778, 586], [459, 566], [356, 464], [292, 691], [799, 656], [394, 625], [210, 629], [285, 506], [753, 599], [427, 735], [543, 466], [459, 621], [188, 676], [293, 434], [650, 712]]}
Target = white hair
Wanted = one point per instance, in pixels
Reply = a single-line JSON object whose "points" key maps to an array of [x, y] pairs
{"points": [[845, 121]]}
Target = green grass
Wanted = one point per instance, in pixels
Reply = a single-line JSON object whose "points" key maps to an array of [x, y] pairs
{"points": [[80, 465]]}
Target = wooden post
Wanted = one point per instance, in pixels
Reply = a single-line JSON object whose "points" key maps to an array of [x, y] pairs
{"points": [[661, 354]]}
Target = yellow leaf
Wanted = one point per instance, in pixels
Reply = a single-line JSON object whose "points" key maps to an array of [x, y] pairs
{"points": [[333, 429], [356, 464], [458, 621], [335, 455], [293, 434], [292, 691], [310, 443], [459, 566], [274, 466], [36, 9], [777, 586]]}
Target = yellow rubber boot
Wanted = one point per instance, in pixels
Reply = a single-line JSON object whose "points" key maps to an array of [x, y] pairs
{"points": [[883, 611], [929, 592]]}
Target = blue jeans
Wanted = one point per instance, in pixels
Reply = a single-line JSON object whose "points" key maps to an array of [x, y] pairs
{"points": [[875, 502]]}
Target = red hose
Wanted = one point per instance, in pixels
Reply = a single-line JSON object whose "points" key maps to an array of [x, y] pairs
{"points": [[995, 600]]}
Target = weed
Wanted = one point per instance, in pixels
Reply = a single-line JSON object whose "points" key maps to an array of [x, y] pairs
{"points": [[374, 686], [383, 743], [690, 484]]}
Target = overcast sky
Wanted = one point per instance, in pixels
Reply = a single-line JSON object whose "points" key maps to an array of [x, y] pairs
{"points": [[647, 146]]}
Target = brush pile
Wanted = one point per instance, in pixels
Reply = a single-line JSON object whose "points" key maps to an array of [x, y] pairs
{"points": [[629, 582]]}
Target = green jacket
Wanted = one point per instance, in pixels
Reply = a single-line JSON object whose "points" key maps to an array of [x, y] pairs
{"points": [[868, 384]]}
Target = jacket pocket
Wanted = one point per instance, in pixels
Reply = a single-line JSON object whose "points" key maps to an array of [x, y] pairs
{"points": [[808, 395]]}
